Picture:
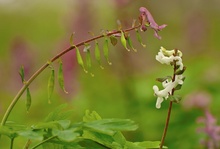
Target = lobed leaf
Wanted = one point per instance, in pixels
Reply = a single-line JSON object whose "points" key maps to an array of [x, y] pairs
{"points": [[91, 116], [109, 126], [149, 144], [66, 135], [32, 134], [58, 114]]}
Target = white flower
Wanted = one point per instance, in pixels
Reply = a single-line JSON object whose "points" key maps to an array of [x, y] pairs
{"points": [[167, 57]]}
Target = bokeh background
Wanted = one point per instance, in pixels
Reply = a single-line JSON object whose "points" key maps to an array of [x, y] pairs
{"points": [[32, 32]]}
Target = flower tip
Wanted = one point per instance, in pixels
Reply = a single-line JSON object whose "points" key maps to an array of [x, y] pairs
{"points": [[158, 106], [142, 9], [162, 27]]}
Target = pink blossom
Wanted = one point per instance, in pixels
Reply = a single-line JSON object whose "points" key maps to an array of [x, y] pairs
{"points": [[147, 18]]}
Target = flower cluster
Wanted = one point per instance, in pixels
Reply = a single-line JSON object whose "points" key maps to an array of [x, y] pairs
{"points": [[169, 57]]}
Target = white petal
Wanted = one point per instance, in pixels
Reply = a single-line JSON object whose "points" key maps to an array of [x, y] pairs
{"points": [[159, 101]]}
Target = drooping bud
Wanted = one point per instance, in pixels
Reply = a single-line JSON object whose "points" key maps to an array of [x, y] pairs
{"points": [[123, 41], [61, 78]]}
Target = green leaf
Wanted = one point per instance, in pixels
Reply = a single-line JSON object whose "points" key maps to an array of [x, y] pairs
{"points": [[32, 134], [163, 79], [150, 144], [60, 124], [175, 98], [50, 85], [64, 123], [21, 73], [113, 40], [106, 50], [139, 38], [91, 116], [103, 139], [47, 125], [66, 135], [130, 44], [110, 126], [28, 100], [79, 59], [123, 41], [4, 130], [58, 114], [90, 144], [179, 72], [178, 87], [61, 78]]}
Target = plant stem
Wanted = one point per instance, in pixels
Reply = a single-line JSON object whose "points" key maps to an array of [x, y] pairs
{"points": [[12, 143], [32, 78], [166, 125], [170, 106], [44, 141], [28, 143]]}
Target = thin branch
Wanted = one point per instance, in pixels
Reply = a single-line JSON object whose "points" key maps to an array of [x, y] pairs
{"points": [[32, 78]]}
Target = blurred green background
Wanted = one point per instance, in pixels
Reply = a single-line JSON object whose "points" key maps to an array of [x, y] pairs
{"points": [[32, 32]]}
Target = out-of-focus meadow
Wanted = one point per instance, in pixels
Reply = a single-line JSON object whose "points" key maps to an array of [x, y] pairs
{"points": [[32, 32]]}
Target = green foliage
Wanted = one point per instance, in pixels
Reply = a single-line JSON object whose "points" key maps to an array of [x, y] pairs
{"points": [[58, 131]]}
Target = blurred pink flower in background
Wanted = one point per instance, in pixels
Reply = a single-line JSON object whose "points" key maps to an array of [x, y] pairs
{"points": [[20, 56], [199, 100], [211, 129]]}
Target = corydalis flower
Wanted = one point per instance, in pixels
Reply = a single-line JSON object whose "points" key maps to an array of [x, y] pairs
{"points": [[211, 129], [168, 57], [148, 20]]}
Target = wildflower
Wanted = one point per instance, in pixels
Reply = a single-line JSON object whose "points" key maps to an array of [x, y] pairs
{"points": [[148, 20], [211, 129], [168, 57]]}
